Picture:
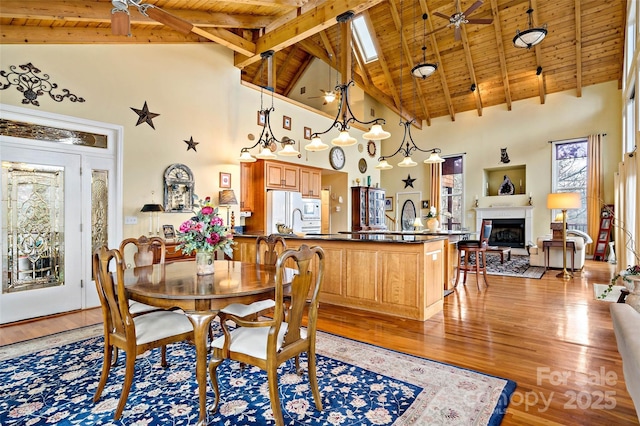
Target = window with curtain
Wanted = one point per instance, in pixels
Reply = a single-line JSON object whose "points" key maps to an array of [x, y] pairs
{"points": [[452, 192], [569, 170]]}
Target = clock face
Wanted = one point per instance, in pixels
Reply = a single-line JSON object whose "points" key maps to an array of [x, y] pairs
{"points": [[371, 148], [336, 157]]}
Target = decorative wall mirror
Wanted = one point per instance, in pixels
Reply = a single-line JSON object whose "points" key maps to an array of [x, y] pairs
{"points": [[178, 189]]}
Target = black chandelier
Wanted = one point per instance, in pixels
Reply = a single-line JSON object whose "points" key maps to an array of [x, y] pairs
{"points": [[407, 146], [345, 117], [531, 36], [267, 140]]}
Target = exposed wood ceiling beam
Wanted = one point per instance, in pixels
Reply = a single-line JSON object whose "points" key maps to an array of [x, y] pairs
{"points": [[228, 39], [436, 51], [382, 61], [83, 11], [541, 90], [12, 34], [328, 47], [304, 26], [578, 48], [410, 64], [472, 71], [500, 47], [270, 3]]}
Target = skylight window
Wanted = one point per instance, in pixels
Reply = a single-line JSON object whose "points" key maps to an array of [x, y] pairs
{"points": [[364, 40]]}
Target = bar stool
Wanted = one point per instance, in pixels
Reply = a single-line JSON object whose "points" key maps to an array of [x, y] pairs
{"points": [[479, 249]]}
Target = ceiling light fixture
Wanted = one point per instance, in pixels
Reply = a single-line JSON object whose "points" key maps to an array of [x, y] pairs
{"points": [[424, 69], [407, 146], [120, 19], [345, 117], [267, 140], [531, 36]]}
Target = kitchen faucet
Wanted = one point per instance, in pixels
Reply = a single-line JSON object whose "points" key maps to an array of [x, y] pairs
{"points": [[293, 215]]}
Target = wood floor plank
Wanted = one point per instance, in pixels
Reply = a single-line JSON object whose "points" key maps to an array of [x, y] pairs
{"points": [[550, 336]]}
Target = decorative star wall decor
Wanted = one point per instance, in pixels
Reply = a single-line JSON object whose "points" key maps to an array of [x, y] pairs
{"points": [[408, 182], [144, 115], [192, 144], [33, 85]]}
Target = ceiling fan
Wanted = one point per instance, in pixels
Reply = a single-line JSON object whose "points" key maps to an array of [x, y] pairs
{"points": [[460, 18], [120, 18], [328, 95]]}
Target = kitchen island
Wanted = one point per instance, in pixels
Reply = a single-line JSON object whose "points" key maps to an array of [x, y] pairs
{"points": [[400, 275]]}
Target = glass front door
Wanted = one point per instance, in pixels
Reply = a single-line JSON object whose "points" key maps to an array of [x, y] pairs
{"points": [[41, 233]]}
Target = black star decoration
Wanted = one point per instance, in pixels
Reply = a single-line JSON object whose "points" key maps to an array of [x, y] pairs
{"points": [[408, 182], [144, 115], [192, 144]]}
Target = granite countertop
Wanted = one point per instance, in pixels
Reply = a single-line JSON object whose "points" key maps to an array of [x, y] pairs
{"points": [[364, 237]]}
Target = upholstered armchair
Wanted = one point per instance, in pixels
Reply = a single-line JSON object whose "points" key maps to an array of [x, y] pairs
{"points": [[580, 239]]}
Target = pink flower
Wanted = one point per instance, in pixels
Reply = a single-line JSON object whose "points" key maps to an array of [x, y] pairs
{"points": [[216, 221], [213, 238], [186, 225], [207, 210]]}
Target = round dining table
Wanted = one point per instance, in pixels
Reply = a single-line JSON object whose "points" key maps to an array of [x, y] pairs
{"points": [[201, 297]]}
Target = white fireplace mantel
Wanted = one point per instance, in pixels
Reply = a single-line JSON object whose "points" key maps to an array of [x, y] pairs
{"points": [[508, 212]]}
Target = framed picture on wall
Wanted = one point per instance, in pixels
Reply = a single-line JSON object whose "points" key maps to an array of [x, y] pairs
{"points": [[286, 122], [225, 180], [425, 204], [307, 133], [388, 203], [262, 118]]}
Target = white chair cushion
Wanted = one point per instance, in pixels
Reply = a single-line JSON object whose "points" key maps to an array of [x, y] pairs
{"points": [[253, 340], [138, 308], [241, 310], [161, 324]]}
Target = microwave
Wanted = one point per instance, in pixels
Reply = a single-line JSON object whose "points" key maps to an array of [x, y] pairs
{"points": [[311, 208]]}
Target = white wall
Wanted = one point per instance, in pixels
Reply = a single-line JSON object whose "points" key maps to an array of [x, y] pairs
{"points": [[525, 131], [197, 92]]}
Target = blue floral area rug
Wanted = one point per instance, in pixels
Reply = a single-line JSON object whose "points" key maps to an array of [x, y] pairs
{"points": [[52, 381]]}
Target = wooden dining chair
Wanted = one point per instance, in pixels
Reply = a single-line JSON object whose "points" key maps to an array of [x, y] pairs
{"points": [[267, 343], [479, 249], [133, 335], [268, 248]]}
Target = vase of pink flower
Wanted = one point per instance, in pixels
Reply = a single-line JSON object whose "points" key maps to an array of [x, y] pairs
{"points": [[203, 234]]}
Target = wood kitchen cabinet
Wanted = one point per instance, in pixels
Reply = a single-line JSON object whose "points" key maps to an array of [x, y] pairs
{"points": [[258, 177], [281, 176], [367, 208], [310, 182]]}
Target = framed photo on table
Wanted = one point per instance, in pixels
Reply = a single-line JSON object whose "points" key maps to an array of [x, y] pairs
{"points": [[225, 180], [169, 233]]}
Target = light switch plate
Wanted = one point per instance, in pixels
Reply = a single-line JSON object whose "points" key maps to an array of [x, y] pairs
{"points": [[130, 220]]}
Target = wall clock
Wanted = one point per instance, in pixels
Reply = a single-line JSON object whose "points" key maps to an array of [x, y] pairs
{"points": [[371, 148], [336, 158], [362, 165]]}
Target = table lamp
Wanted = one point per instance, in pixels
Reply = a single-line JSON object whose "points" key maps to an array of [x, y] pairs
{"points": [[564, 201], [151, 209], [227, 199], [417, 224]]}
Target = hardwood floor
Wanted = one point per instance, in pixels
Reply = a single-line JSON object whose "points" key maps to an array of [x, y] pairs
{"points": [[548, 335]]}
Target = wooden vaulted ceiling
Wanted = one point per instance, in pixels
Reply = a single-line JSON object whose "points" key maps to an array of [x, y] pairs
{"points": [[584, 44]]}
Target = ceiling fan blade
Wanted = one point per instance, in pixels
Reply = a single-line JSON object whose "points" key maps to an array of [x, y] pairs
{"points": [[120, 23], [473, 7], [457, 36], [442, 15], [480, 21], [168, 19]]}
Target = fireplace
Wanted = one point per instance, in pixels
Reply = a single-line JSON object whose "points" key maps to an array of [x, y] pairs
{"points": [[507, 233], [510, 223]]}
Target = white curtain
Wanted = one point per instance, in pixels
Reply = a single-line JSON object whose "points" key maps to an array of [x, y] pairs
{"points": [[595, 184], [627, 221]]}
